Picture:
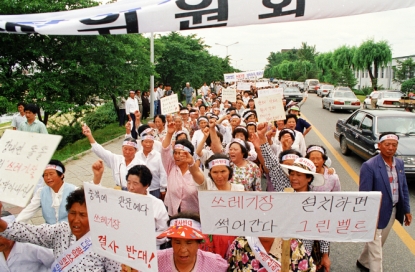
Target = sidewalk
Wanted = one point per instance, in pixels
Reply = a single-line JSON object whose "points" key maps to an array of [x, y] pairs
{"points": [[77, 171]]}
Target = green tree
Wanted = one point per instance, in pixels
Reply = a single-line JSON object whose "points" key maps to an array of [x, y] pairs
{"points": [[307, 52], [408, 86], [372, 54], [404, 70]]}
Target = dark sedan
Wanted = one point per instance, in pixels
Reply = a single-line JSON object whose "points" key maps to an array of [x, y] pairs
{"points": [[292, 94], [360, 132]]}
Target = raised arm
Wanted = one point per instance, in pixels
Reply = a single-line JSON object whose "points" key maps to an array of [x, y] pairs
{"points": [[170, 130], [98, 170], [200, 145], [216, 145], [194, 169], [87, 132]]}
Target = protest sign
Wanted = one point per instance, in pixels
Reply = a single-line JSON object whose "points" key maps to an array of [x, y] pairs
{"points": [[229, 94], [229, 77], [122, 226], [169, 104], [125, 17], [268, 92], [243, 86], [269, 108], [23, 158], [331, 216], [261, 84]]}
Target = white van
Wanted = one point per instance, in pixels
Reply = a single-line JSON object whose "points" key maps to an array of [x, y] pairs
{"points": [[311, 85]]}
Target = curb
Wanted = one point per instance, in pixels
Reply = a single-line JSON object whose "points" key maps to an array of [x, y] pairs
{"points": [[89, 150]]}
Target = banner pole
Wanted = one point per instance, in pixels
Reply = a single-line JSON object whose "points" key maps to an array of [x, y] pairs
{"points": [[152, 76]]}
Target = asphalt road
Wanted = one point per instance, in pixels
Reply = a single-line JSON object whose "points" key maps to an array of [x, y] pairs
{"points": [[399, 249]]}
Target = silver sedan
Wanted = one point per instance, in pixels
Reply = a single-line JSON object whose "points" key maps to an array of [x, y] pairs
{"points": [[340, 100]]}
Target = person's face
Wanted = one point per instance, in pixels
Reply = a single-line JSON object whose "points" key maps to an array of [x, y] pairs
{"points": [[240, 136], [299, 181], [5, 244], [178, 123], [147, 145], [187, 85], [78, 220], [20, 109], [220, 175], [251, 104], [128, 152], [317, 158], [202, 124], [235, 122], [177, 154], [134, 185], [235, 153], [52, 179], [295, 112], [185, 116], [132, 95], [158, 123], [388, 148], [216, 112], [280, 124], [30, 116], [251, 118], [239, 104], [251, 129], [184, 251], [202, 110], [291, 123]]}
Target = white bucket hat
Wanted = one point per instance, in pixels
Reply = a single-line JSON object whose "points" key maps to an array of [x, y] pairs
{"points": [[305, 166]]}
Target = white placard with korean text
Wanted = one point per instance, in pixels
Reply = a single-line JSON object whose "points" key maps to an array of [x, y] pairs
{"points": [[129, 17], [229, 94], [331, 216], [122, 226], [23, 158], [261, 84], [269, 108], [268, 92], [229, 77], [169, 104], [243, 86]]}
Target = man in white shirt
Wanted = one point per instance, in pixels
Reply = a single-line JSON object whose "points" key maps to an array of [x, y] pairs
{"points": [[158, 94], [20, 117], [204, 89], [131, 105], [374, 98], [18, 257]]}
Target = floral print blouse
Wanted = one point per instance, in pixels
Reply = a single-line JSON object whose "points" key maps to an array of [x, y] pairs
{"points": [[242, 258], [249, 176]]}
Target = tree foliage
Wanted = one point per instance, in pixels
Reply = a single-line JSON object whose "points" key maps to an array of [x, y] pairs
{"points": [[408, 86], [404, 70]]}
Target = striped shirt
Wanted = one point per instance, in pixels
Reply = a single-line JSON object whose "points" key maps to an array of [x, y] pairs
{"points": [[393, 181], [36, 126]]}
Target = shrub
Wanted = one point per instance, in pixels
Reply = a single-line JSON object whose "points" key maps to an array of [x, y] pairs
{"points": [[70, 134], [101, 117], [6, 106]]}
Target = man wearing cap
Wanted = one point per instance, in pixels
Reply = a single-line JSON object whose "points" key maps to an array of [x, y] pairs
{"points": [[384, 173], [188, 93], [302, 125], [131, 105], [18, 257]]}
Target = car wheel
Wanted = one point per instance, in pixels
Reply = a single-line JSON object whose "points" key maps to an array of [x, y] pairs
{"points": [[330, 108], [322, 105], [343, 146]]}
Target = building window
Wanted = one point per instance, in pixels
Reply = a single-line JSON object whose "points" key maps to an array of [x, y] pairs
{"points": [[382, 72]]}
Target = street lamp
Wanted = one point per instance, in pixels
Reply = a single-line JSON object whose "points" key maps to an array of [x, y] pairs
{"points": [[226, 47]]}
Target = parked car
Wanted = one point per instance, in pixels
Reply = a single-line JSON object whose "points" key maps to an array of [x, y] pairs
{"points": [[386, 99], [360, 132], [340, 100], [292, 94], [311, 85], [324, 90], [340, 88]]}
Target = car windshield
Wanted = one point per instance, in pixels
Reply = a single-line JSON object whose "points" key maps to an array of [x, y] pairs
{"points": [[344, 94], [392, 95], [313, 82], [344, 89], [330, 87], [397, 124], [291, 90]]}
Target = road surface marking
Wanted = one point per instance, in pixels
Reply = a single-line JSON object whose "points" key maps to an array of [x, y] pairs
{"points": [[397, 227]]}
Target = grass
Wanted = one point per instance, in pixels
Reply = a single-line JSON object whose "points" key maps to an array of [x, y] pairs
{"points": [[101, 136], [5, 124]]}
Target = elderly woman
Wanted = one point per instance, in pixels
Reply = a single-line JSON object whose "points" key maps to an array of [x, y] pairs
{"points": [[202, 122], [240, 132], [286, 138], [181, 193], [160, 127], [185, 255], [64, 237], [119, 164], [50, 198], [299, 142], [317, 154]]}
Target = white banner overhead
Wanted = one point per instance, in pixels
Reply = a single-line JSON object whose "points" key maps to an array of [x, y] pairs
{"points": [[137, 16]]}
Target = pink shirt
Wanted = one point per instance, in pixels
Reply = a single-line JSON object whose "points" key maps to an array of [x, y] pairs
{"points": [[205, 261], [181, 189], [331, 183]]}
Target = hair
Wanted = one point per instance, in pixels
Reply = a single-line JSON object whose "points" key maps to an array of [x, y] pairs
{"points": [[240, 130], [219, 156], [375, 88], [289, 116], [192, 110], [387, 133], [251, 100], [21, 104], [142, 172], [249, 125], [58, 163], [160, 84], [307, 156], [209, 140], [32, 108], [181, 133], [187, 144], [142, 128], [231, 108], [162, 118], [245, 149], [190, 104], [76, 196], [283, 132], [289, 151]]}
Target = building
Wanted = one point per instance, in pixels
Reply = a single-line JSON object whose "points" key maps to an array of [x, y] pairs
{"points": [[385, 76]]}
